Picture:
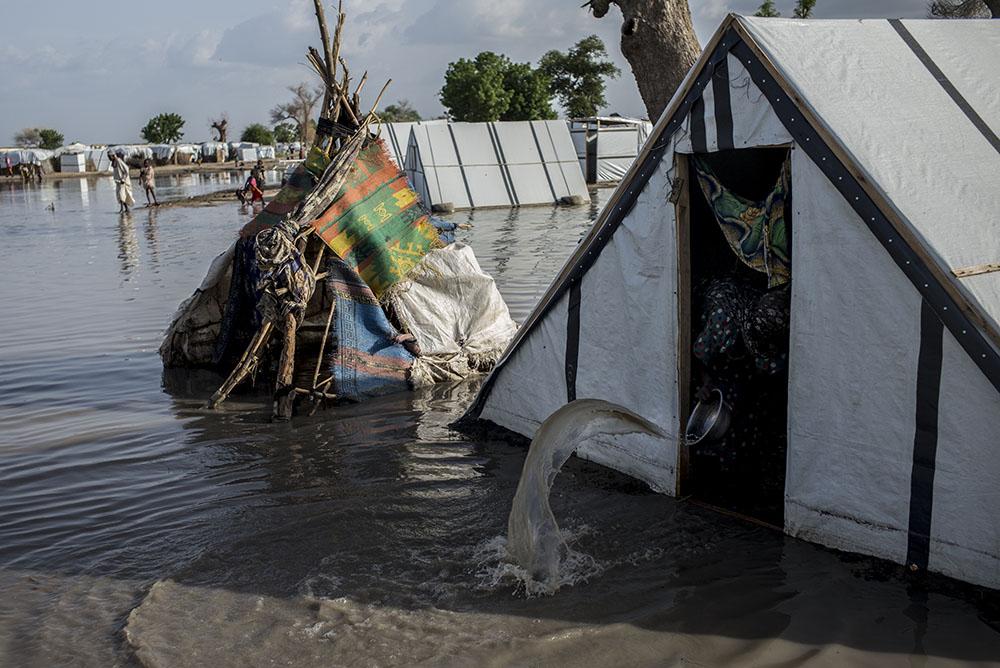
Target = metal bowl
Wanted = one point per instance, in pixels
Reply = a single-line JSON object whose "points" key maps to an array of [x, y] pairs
{"points": [[709, 420]]}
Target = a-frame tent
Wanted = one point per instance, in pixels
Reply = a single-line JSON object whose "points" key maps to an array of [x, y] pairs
{"points": [[894, 372]]}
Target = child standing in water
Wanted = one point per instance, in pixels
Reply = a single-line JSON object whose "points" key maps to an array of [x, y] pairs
{"points": [[146, 178]]}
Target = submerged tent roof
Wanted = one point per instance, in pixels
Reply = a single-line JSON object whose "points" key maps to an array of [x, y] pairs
{"points": [[903, 118], [397, 135], [512, 163]]}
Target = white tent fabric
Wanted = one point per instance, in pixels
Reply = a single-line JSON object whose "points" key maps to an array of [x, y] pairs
{"points": [[894, 376], [98, 160], [470, 165], [607, 147], [397, 136], [27, 156], [73, 163], [163, 152], [214, 151]]}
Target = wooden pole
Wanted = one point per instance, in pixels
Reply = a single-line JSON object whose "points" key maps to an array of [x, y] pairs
{"points": [[248, 362], [284, 391], [322, 343]]}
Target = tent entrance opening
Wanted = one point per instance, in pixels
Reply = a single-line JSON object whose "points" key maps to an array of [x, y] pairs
{"points": [[736, 308]]}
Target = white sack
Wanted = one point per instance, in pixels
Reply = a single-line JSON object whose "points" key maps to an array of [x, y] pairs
{"points": [[455, 312]]}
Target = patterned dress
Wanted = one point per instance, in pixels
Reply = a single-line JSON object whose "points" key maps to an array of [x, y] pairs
{"points": [[743, 347]]}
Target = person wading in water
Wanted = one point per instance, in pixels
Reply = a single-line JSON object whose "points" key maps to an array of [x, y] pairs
{"points": [[123, 184], [147, 179]]}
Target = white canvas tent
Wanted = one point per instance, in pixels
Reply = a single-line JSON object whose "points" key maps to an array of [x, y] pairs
{"points": [[397, 136], [894, 370], [512, 163], [606, 146]]}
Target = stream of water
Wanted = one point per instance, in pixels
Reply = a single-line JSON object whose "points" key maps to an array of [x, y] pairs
{"points": [[137, 528]]}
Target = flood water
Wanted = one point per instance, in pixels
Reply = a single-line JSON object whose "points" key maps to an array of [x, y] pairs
{"points": [[137, 528]]}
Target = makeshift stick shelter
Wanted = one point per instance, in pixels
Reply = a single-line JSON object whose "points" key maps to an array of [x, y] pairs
{"points": [[891, 131], [606, 146], [512, 163], [335, 259]]}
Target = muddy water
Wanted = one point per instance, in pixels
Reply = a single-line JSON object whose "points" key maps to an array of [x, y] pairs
{"points": [[136, 528]]}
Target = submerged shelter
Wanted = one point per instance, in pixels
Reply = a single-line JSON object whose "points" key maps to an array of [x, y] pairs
{"points": [[606, 146], [508, 163], [396, 137], [890, 132]]}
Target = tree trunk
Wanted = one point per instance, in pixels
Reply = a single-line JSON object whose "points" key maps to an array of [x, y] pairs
{"points": [[659, 42]]}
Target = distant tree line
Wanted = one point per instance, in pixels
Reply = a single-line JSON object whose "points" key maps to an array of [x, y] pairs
{"points": [[46, 138], [490, 87]]}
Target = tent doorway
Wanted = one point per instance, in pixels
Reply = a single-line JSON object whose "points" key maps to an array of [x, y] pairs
{"points": [[734, 325]]}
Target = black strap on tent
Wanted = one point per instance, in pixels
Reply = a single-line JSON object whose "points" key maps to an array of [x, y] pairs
{"points": [[541, 158], [948, 86], [925, 439], [699, 140], [572, 340], [461, 167], [723, 106], [508, 184]]}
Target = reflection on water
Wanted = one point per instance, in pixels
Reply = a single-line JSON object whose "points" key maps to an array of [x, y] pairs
{"points": [[135, 526]]}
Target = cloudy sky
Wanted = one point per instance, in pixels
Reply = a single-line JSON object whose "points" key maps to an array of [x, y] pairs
{"points": [[97, 70]]}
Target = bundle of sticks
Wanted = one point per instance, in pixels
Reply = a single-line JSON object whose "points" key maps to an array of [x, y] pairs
{"points": [[341, 135]]}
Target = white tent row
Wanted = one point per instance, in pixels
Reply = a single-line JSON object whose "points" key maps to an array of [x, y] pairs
{"points": [[891, 132], [27, 156], [607, 146], [508, 163]]}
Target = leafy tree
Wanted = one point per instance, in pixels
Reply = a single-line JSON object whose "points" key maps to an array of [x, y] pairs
{"points": [[474, 89], [28, 138], [164, 129], [964, 9], [258, 134], [577, 76], [49, 138], [767, 9], [401, 112], [300, 110], [530, 99], [284, 133], [803, 9]]}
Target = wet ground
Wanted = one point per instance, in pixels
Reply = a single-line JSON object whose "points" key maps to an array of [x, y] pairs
{"points": [[138, 529]]}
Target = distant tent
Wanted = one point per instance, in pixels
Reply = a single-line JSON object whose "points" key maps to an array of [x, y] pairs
{"points": [[470, 165], [894, 369], [98, 160], [608, 145], [73, 162]]}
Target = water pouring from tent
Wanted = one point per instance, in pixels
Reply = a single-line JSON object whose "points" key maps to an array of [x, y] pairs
{"points": [[534, 539]]}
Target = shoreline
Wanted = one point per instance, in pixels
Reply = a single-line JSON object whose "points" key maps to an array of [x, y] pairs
{"points": [[165, 169]]}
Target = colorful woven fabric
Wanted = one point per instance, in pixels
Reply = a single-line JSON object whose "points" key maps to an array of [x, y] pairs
{"points": [[366, 361], [376, 223], [754, 230]]}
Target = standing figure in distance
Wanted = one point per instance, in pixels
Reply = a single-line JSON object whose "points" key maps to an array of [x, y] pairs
{"points": [[123, 184], [146, 178]]}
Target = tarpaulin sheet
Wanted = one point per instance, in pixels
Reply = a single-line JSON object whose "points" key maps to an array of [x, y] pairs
{"points": [[365, 360]]}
